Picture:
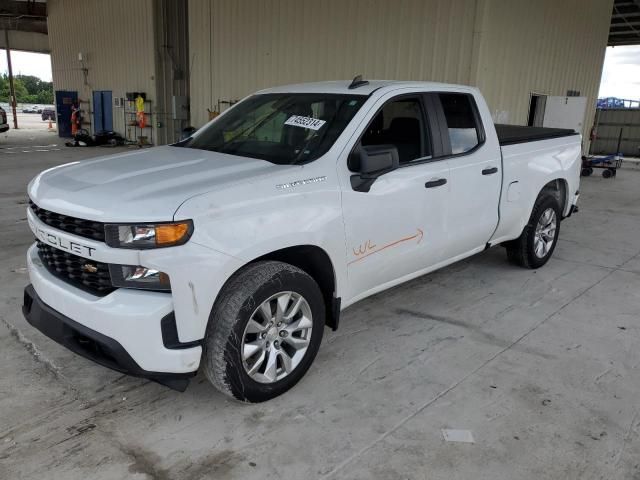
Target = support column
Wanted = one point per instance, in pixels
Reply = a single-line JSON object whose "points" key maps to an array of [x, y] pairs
{"points": [[12, 91]]}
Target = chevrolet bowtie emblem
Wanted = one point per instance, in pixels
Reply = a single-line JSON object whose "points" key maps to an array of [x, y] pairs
{"points": [[89, 268]]}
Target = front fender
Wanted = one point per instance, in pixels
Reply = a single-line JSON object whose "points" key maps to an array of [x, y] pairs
{"points": [[250, 221]]}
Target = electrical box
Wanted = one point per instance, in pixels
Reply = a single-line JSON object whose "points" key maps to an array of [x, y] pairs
{"points": [[180, 107]]}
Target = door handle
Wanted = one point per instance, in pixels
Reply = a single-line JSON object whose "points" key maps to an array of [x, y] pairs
{"points": [[435, 183], [490, 171]]}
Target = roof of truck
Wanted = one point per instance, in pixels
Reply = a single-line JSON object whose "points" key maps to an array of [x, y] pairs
{"points": [[342, 87]]}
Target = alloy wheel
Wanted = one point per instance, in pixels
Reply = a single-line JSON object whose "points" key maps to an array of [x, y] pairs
{"points": [[276, 337], [545, 233]]}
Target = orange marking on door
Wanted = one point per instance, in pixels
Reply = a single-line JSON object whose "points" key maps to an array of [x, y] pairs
{"points": [[362, 253], [362, 249]]}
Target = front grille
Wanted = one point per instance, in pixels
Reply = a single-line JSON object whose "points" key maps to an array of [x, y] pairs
{"points": [[69, 268], [77, 226]]}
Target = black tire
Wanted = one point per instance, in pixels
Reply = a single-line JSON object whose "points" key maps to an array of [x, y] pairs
{"points": [[243, 293], [521, 250], [606, 173], [586, 171]]}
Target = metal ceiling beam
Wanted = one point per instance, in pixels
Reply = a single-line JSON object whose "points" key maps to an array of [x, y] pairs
{"points": [[625, 19], [31, 8], [625, 23], [620, 43], [26, 16]]}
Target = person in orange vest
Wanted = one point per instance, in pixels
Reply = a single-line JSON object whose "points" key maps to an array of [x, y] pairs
{"points": [[75, 119]]}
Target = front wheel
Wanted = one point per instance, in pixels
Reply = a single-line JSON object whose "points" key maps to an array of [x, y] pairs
{"points": [[538, 240], [264, 331]]}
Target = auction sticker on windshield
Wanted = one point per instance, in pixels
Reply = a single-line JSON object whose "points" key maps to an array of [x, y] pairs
{"points": [[305, 122]]}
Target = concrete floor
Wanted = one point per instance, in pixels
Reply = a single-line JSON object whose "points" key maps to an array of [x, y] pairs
{"points": [[26, 121], [541, 366]]}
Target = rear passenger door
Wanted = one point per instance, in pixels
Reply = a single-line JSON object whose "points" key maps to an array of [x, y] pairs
{"points": [[475, 173]]}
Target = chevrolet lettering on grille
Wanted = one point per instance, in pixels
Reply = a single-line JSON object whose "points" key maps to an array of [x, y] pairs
{"points": [[61, 243]]}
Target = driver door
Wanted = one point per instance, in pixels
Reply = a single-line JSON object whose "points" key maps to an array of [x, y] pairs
{"points": [[397, 227]]}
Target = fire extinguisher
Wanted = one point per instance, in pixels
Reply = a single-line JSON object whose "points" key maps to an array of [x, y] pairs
{"points": [[75, 120]]}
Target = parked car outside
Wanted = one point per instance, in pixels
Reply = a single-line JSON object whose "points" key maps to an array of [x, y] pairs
{"points": [[31, 109], [4, 124], [48, 113]]}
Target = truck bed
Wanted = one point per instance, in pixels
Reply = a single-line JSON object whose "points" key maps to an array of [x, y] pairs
{"points": [[510, 134]]}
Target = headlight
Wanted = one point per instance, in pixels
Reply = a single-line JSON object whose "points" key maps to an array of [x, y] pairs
{"points": [[148, 235], [135, 276]]}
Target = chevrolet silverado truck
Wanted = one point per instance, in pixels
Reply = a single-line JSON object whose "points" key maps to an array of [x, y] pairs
{"points": [[231, 250]]}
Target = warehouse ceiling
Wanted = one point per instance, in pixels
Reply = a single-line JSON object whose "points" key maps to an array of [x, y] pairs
{"points": [[31, 16], [625, 23], [23, 15]]}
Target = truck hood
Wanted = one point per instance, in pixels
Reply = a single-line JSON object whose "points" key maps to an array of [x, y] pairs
{"points": [[143, 186]]}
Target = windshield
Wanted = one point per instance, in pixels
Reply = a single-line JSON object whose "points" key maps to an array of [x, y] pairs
{"points": [[282, 128]]}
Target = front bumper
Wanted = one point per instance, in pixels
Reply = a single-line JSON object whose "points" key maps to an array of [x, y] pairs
{"points": [[129, 319], [91, 344]]}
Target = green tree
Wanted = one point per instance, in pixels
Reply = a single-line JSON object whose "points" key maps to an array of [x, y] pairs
{"points": [[29, 89], [3, 82], [45, 96], [31, 83], [21, 90]]}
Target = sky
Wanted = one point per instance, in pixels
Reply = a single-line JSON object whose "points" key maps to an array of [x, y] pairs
{"points": [[27, 63], [621, 73], [620, 76]]}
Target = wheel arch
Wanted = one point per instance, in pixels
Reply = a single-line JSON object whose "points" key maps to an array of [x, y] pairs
{"points": [[558, 188], [316, 262], [313, 260]]}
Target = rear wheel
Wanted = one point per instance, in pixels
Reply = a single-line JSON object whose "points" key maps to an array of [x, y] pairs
{"points": [[264, 331], [607, 173], [538, 240]]}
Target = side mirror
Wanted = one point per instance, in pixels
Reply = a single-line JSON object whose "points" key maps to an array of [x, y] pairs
{"points": [[187, 132], [369, 163], [373, 160]]}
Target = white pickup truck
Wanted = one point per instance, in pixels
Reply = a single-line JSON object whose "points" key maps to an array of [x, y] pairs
{"points": [[233, 249]]}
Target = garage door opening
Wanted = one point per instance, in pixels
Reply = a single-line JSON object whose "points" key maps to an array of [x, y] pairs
{"points": [[33, 88], [536, 110]]}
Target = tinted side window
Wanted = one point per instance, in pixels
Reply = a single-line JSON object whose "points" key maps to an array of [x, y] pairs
{"points": [[461, 121], [399, 123]]}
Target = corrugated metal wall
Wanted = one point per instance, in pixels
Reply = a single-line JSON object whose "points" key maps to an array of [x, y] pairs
{"points": [[610, 121], [509, 48], [544, 46], [172, 65], [116, 37], [239, 46]]}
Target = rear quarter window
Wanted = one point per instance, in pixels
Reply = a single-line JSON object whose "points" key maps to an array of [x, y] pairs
{"points": [[459, 112]]}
